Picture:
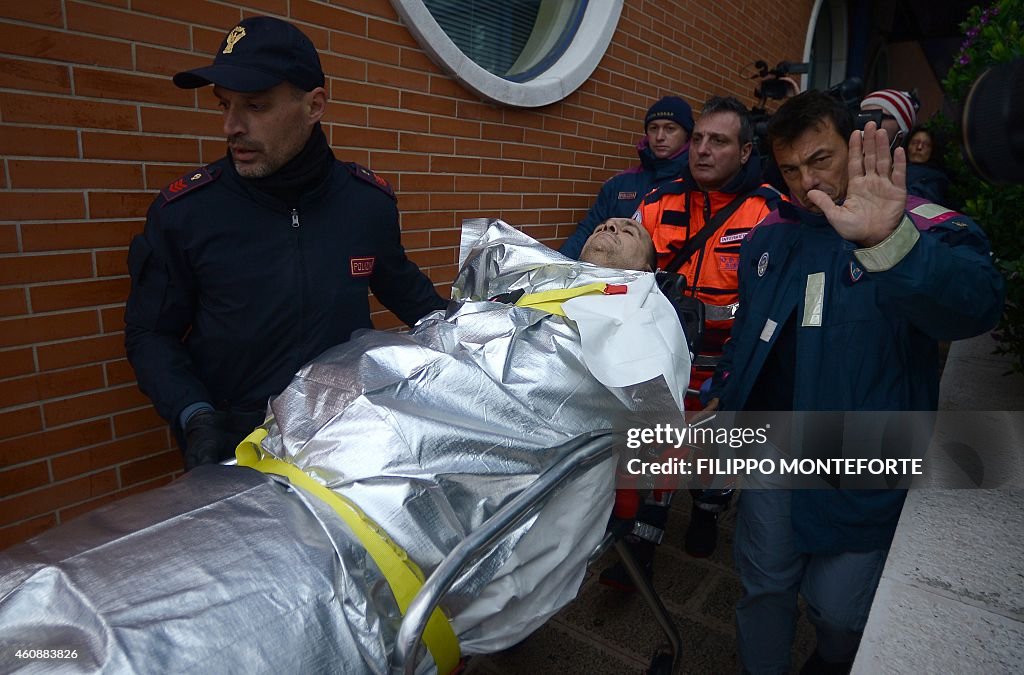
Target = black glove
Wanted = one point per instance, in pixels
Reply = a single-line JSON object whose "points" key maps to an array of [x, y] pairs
{"points": [[205, 438]]}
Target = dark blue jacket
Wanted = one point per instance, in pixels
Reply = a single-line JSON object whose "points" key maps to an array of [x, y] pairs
{"points": [[870, 343], [928, 182], [232, 291], [621, 194]]}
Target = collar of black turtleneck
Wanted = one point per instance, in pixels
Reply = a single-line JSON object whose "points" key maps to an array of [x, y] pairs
{"points": [[301, 173]]}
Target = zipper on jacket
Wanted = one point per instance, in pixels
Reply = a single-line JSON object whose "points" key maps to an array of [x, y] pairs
{"points": [[295, 217]]}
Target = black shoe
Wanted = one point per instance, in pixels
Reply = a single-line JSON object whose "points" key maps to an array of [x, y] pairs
{"points": [[616, 576], [816, 665], [702, 534]]}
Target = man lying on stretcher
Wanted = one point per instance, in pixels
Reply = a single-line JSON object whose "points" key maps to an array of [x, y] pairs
{"points": [[427, 433]]}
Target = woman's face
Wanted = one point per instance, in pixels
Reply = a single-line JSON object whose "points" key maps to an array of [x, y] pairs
{"points": [[919, 150]]}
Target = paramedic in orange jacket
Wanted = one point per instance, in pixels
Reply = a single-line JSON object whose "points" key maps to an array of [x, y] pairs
{"points": [[724, 189]]}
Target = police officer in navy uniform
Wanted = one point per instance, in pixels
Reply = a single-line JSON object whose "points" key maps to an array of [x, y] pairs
{"points": [[253, 265]]}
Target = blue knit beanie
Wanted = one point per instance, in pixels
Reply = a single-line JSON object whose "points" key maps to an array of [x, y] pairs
{"points": [[671, 108]]}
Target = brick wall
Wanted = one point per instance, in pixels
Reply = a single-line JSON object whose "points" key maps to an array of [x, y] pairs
{"points": [[91, 127]]}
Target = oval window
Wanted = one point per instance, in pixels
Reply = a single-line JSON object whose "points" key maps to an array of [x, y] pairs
{"points": [[525, 53]]}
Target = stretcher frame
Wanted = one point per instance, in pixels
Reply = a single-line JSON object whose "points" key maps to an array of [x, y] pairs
{"points": [[577, 455]]}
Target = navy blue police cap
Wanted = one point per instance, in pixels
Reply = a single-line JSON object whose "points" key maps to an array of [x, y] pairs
{"points": [[257, 54]]}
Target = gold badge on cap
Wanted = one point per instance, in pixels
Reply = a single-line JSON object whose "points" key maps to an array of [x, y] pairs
{"points": [[236, 34]]}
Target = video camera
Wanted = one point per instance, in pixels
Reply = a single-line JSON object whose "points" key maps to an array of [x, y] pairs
{"points": [[774, 84]]}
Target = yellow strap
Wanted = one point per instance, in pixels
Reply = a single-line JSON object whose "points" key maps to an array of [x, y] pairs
{"points": [[551, 301], [403, 575]]}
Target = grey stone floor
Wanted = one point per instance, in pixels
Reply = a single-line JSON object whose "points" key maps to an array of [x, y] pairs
{"points": [[607, 632]]}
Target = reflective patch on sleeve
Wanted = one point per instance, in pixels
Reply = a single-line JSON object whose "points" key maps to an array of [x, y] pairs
{"points": [[932, 211], [884, 256], [814, 299], [768, 331]]}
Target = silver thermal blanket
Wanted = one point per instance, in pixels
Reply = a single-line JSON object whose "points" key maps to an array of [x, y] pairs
{"points": [[429, 433]]}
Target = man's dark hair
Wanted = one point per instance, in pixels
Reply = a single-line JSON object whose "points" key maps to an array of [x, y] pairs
{"points": [[721, 104], [809, 110]]}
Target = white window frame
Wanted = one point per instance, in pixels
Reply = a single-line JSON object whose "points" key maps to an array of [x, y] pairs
{"points": [[562, 78]]}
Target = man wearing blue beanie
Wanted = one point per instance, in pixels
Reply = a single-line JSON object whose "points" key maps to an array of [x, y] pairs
{"points": [[663, 156]]}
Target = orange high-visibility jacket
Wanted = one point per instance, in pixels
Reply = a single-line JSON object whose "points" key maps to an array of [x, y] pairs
{"points": [[679, 210]]}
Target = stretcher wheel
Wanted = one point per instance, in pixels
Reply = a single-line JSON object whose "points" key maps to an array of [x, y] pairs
{"points": [[661, 664]]}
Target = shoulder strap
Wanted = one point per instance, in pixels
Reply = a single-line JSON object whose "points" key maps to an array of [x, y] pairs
{"points": [[697, 241], [189, 182], [367, 176]]}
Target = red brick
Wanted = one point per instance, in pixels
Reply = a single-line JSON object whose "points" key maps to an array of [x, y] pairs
{"points": [[328, 17], [45, 386], [33, 76], [397, 161], [501, 167], [397, 77], [445, 126], [348, 68], [417, 60], [370, 50], [468, 165], [112, 319], [454, 202], [112, 263], [393, 33], [108, 454], [151, 467], [78, 352], [63, 46], [515, 186], [12, 301], [20, 422], [79, 294], [477, 184], [29, 330], [444, 85], [92, 405], [212, 14], [426, 221], [118, 372], [129, 87], [8, 238], [14, 362], [23, 478], [425, 182], [411, 142], [445, 238], [98, 145], [31, 268], [70, 112], [182, 122], [40, 11], [41, 205], [477, 148], [501, 132], [119, 204], [166, 62], [35, 446], [26, 173], [63, 236], [503, 201], [433, 257], [128, 25], [476, 110], [37, 142], [20, 532], [428, 104], [55, 496], [135, 421], [370, 94], [276, 7]]}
